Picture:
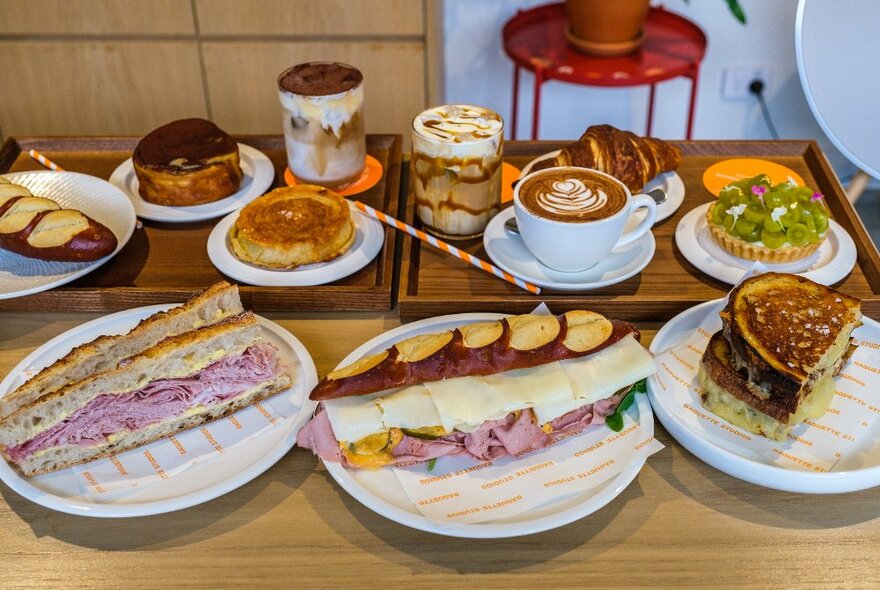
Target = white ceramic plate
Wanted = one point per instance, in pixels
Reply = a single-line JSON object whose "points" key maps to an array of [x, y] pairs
{"points": [[258, 173], [380, 490], [97, 198], [367, 244], [830, 264], [670, 182], [212, 476], [510, 253], [746, 460]]}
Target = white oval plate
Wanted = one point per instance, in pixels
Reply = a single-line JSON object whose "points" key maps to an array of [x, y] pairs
{"points": [[211, 477], [380, 490], [670, 182], [258, 174], [510, 253], [746, 460], [834, 259], [97, 198], [367, 243]]}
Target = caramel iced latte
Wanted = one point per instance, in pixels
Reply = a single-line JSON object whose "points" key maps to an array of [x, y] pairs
{"points": [[323, 105], [456, 162]]}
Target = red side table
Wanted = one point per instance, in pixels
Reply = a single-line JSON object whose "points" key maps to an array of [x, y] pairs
{"points": [[535, 40]]}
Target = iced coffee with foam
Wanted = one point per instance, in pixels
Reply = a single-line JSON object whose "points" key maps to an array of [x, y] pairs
{"points": [[456, 164], [323, 104]]}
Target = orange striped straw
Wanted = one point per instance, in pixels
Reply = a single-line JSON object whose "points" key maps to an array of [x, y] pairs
{"points": [[45, 161], [448, 248]]}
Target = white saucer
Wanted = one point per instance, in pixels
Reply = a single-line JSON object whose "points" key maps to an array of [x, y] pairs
{"points": [[834, 259], [367, 243], [258, 174], [510, 253], [670, 182]]}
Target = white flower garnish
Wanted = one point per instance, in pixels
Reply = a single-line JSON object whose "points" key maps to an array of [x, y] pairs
{"points": [[736, 211], [777, 213]]}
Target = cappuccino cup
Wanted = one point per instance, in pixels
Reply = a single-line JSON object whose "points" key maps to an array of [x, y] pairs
{"points": [[571, 218]]}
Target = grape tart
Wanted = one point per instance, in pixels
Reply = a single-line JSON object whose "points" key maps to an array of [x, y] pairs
{"points": [[755, 220]]}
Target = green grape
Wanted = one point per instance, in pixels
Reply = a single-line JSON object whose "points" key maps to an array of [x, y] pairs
{"points": [[812, 235], [743, 226], [774, 200], [803, 194], [761, 179], [772, 239], [821, 220], [754, 213], [728, 192], [792, 215], [773, 226], [808, 220], [753, 236], [728, 223], [718, 214], [798, 234]]}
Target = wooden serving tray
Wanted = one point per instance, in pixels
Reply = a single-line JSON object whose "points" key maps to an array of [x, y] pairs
{"points": [[167, 262], [434, 283]]}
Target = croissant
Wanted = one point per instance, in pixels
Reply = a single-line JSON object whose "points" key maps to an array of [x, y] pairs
{"points": [[631, 159]]}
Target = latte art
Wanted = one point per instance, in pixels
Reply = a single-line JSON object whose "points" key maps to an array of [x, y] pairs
{"points": [[562, 196], [567, 196]]}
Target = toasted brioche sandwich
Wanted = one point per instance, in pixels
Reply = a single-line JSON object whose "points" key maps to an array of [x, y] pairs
{"points": [[783, 340], [486, 390], [178, 382]]}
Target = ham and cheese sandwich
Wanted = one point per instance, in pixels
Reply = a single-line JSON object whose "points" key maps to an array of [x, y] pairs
{"points": [[175, 370], [486, 389]]}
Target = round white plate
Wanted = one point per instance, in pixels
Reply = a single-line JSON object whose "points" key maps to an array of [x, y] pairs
{"points": [[746, 460], [210, 477], [380, 490], [670, 182], [258, 174], [830, 264], [510, 253], [367, 243], [97, 198]]}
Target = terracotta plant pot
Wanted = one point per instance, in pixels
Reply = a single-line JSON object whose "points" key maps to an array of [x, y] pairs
{"points": [[606, 27]]}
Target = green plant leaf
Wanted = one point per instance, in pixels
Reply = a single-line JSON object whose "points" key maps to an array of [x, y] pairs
{"points": [[431, 464], [615, 420], [737, 11]]}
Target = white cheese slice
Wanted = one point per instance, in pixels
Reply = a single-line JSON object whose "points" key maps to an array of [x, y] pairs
{"points": [[599, 375], [410, 407], [353, 418], [466, 402]]}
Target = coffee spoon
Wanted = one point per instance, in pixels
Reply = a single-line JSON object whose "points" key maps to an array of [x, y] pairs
{"points": [[658, 194]]}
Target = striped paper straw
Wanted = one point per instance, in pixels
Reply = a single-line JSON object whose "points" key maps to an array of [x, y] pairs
{"points": [[45, 161], [448, 248]]}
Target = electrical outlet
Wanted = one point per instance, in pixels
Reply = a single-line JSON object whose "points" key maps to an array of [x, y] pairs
{"points": [[737, 80]]}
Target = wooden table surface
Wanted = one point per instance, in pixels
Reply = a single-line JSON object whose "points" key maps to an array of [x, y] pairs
{"points": [[680, 523]]}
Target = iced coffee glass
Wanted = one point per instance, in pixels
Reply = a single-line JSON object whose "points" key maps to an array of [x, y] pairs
{"points": [[456, 162], [323, 105]]}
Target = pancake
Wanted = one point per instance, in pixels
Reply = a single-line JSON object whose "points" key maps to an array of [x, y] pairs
{"points": [[187, 162], [293, 226]]}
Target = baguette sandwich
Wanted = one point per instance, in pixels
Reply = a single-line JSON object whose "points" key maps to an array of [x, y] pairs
{"points": [[485, 389], [175, 370]]}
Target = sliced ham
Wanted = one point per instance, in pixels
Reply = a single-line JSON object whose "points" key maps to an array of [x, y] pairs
{"points": [[160, 400], [515, 433]]}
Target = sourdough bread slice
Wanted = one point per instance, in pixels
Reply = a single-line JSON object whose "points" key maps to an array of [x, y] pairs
{"points": [[68, 455], [174, 357], [210, 306]]}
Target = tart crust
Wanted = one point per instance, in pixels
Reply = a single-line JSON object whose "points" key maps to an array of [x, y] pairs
{"points": [[749, 251]]}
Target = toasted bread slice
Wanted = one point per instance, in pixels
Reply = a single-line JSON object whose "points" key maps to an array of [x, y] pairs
{"points": [[788, 331], [175, 357], [212, 305], [727, 393]]}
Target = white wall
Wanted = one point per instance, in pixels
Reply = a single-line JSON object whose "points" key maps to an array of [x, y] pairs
{"points": [[477, 71]]}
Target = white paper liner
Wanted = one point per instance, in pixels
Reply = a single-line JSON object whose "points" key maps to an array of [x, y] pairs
{"points": [[815, 445], [160, 461], [461, 489]]}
